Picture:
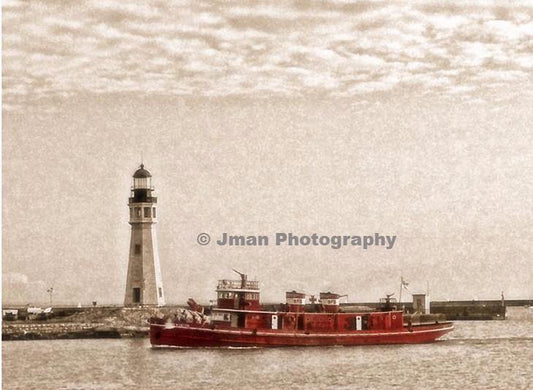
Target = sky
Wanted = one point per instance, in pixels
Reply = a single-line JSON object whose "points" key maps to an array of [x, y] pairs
{"points": [[332, 117]]}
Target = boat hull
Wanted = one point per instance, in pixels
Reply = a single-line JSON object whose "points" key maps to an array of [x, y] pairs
{"points": [[185, 335]]}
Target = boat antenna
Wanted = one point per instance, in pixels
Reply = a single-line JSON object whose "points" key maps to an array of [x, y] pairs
{"points": [[234, 270], [243, 278]]}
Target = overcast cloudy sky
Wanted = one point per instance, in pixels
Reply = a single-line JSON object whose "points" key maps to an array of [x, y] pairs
{"points": [[463, 50], [257, 116]]}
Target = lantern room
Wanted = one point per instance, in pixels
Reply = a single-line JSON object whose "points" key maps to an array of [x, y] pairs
{"points": [[142, 179], [142, 186]]}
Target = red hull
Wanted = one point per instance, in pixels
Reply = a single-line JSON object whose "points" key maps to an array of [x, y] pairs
{"points": [[184, 335]]}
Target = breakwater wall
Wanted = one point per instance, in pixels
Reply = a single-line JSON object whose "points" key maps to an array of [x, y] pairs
{"points": [[47, 331], [455, 310], [470, 310], [101, 322]]}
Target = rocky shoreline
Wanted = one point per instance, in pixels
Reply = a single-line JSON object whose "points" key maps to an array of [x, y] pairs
{"points": [[89, 323], [44, 331]]}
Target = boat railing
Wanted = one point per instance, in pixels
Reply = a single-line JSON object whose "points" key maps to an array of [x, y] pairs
{"points": [[237, 284], [385, 300]]}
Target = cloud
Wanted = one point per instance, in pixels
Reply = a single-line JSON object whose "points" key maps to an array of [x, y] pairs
{"points": [[340, 48], [17, 288]]}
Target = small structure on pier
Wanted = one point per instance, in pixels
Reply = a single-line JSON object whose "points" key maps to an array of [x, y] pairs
{"points": [[421, 303]]}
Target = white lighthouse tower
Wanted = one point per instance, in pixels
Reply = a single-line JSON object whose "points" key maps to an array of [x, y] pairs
{"points": [[144, 286]]}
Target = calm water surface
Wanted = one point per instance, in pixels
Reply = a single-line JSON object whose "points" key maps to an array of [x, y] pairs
{"points": [[477, 355]]}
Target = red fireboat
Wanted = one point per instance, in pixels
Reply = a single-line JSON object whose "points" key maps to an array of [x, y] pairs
{"points": [[238, 320]]}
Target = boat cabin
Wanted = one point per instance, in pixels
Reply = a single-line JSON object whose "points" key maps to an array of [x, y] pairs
{"points": [[329, 302], [295, 301], [239, 307], [238, 294]]}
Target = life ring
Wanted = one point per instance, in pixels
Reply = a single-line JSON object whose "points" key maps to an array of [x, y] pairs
{"points": [[394, 316]]}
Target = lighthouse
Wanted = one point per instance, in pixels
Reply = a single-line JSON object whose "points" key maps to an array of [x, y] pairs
{"points": [[144, 286]]}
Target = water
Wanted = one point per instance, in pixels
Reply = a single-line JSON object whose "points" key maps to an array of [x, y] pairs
{"points": [[477, 355]]}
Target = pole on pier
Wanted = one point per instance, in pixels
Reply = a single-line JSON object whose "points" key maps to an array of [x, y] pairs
{"points": [[51, 292]]}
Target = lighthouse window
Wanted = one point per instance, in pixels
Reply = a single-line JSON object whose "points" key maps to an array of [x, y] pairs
{"points": [[154, 213], [137, 211], [140, 182], [131, 213], [160, 293], [147, 212], [137, 249]]}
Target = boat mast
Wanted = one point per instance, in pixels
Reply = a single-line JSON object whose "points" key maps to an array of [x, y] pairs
{"points": [[403, 284], [401, 289], [243, 278]]}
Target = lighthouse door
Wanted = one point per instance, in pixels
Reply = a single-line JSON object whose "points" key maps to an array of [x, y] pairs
{"points": [[136, 295]]}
